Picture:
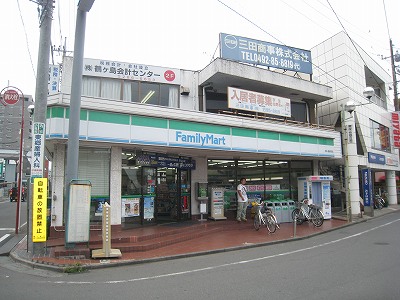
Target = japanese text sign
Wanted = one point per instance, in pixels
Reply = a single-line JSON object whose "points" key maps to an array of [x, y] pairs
{"points": [[257, 102], [130, 71], [265, 54], [396, 129], [39, 214], [54, 78], [38, 139], [367, 187]]}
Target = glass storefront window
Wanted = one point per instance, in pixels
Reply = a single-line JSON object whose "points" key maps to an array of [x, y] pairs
{"points": [[131, 175], [298, 169], [160, 193], [266, 180], [222, 173], [277, 185]]}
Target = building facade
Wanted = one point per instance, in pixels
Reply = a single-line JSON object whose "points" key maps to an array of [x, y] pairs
{"points": [[368, 130], [149, 134]]}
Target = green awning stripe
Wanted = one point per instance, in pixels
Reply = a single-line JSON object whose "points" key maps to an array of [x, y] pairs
{"points": [[198, 127], [149, 122], [99, 116], [244, 132]]}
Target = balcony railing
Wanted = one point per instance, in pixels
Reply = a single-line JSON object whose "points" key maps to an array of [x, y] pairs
{"points": [[282, 120], [379, 101]]}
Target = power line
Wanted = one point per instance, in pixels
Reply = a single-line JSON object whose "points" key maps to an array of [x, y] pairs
{"points": [[294, 50], [355, 47], [26, 39]]}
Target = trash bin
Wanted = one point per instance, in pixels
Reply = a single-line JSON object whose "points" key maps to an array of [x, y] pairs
{"points": [[278, 211], [285, 211], [270, 205]]}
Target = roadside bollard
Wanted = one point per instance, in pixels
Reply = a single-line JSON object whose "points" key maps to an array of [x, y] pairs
{"points": [[294, 225]]}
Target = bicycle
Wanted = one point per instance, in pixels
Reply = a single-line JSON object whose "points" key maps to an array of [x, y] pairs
{"points": [[305, 212], [264, 216], [379, 202]]}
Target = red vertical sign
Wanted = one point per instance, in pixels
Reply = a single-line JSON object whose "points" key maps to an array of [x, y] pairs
{"points": [[396, 129]]}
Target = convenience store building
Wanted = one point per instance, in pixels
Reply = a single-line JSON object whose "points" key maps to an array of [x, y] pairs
{"points": [[148, 134]]}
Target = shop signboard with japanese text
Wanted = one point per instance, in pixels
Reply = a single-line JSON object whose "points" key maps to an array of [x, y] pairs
{"points": [[130, 71], [38, 139], [258, 102], [396, 129], [39, 213], [54, 78], [367, 187], [263, 53]]}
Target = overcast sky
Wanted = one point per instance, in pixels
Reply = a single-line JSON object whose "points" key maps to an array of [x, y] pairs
{"points": [[184, 33]]}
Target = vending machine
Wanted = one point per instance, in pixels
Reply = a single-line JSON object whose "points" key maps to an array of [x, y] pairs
{"points": [[317, 189]]}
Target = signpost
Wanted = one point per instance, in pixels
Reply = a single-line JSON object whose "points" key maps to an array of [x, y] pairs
{"points": [[10, 96]]}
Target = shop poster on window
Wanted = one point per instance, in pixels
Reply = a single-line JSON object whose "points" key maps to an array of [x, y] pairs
{"points": [[148, 207], [130, 207]]}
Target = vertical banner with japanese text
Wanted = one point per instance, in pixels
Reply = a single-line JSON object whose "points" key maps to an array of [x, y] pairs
{"points": [[39, 213], [38, 139], [396, 129], [367, 187]]}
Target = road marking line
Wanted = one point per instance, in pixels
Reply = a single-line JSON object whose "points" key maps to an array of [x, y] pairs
{"points": [[6, 229], [228, 264], [4, 237]]}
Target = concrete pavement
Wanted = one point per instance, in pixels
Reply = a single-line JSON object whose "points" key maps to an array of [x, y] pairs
{"points": [[229, 236]]}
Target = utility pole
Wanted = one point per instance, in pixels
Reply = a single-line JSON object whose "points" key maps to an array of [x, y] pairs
{"points": [[396, 100], [41, 92], [84, 7]]}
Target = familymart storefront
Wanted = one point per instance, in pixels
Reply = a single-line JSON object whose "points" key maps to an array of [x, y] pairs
{"points": [[145, 161]]}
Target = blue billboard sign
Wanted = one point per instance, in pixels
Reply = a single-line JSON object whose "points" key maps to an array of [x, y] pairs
{"points": [[367, 187], [376, 158], [267, 54]]}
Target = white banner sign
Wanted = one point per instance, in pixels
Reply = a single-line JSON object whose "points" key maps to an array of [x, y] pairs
{"points": [[54, 78], [258, 102], [130, 71], [38, 138]]}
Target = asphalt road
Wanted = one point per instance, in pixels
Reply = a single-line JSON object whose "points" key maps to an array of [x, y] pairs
{"points": [[361, 261], [8, 213]]}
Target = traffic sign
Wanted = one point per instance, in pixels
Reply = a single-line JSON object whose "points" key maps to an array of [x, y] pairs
{"points": [[10, 97]]}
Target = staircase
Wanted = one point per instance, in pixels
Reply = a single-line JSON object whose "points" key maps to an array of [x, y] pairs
{"points": [[136, 240]]}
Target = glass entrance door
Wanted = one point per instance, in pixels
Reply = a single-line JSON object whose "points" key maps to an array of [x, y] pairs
{"points": [[167, 194], [173, 194]]}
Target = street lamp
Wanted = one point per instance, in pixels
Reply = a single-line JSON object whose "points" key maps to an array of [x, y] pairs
{"points": [[368, 92]]}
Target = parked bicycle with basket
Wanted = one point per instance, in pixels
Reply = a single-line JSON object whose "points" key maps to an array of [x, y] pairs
{"points": [[305, 212], [264, 215]]}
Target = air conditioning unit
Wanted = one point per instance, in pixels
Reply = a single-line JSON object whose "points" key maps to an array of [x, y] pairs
{"points": [[185, 91]]}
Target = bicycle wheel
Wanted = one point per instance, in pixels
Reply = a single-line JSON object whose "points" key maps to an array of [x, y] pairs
{"points": [[256, 222], [270, 223], [316, 216], [298, 215]]}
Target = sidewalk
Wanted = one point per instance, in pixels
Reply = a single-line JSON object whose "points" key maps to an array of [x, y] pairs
{"points": [[161, 242]]}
